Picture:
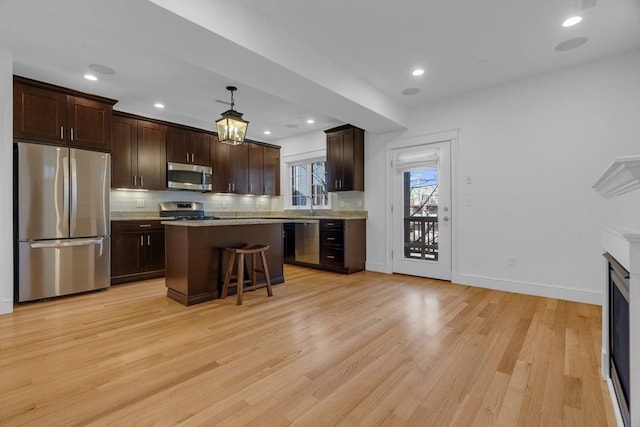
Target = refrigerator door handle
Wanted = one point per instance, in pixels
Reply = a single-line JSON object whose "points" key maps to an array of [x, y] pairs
{"points": [[73, 199], [65, 192], [66, 243]]}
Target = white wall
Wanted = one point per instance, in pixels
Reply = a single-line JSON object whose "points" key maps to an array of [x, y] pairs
{"points": [[6, 181], [533, 148]]}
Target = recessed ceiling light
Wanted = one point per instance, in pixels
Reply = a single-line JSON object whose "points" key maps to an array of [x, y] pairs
{"points": [[90, 77], [159, 105], [570, 22], [418, 72], [310, 121], [267, 132]]}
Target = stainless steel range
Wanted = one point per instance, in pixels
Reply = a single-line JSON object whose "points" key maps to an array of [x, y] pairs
{"points": [[184, 211]]}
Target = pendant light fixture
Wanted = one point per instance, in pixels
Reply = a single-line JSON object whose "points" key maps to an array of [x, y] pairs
{"points": [[231, 127]]}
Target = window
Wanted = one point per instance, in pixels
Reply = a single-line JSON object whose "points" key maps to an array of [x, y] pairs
{"points": [[308, 182]]}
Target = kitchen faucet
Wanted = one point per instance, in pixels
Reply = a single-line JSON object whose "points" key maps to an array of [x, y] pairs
{"points": [[311, 204]]}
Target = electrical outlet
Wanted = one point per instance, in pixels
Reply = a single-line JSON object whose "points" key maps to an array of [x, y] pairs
{"points": [[359, 203], [511, 261], [140, 203]]}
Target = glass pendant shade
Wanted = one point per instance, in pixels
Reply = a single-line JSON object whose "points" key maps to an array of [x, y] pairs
{"points": [[231, 128]]}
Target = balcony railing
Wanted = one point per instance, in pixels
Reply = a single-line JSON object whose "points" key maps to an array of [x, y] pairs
{"points": [[421, 238]]}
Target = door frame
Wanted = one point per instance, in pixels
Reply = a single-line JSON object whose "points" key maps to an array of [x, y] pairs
{"points": [[429, 138]]}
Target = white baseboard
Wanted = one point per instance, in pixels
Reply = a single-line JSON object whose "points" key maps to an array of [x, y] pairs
{"points": [[379, 267], [614, 403], [6, 306], [537, 289]]}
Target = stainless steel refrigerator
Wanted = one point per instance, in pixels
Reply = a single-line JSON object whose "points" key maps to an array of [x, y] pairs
{"points": [[62, 221]]}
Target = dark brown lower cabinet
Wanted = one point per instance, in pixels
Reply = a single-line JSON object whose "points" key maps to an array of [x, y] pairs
{"points": [[343, 244], [137, 250]]}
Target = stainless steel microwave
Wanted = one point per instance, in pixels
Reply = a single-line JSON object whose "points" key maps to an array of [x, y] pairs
{"points": [[182, 176]]}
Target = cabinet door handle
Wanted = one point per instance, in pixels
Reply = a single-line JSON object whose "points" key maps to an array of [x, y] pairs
{"points": [[229, 186], [148, 239], [72, 134], [144, 225], [250, 188], [61, 132], [233, 187], [331, 238], [135, 181], [331, 257], [141, 181], [187, 157], [264, 190], [141, 240], [193, 158]]}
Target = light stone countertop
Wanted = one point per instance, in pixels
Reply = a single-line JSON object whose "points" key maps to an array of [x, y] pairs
{"points": [[225, 222], [290, 216]]}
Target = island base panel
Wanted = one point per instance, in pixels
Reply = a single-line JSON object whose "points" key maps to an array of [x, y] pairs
{"points": [[195, 257]]}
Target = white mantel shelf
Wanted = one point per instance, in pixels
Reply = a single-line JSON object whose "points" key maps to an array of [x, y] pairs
{"points": [[621, 176]]}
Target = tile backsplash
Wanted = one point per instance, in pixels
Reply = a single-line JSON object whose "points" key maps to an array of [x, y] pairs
{"points": [[148, 201]]}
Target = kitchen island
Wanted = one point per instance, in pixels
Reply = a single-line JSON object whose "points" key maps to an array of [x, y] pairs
{"points": [[195, 257]]}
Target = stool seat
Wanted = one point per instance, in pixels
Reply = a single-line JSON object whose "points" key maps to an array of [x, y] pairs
{"points": [[238, 280]]}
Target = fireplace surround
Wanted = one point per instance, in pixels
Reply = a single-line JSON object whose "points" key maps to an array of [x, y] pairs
{"points": [[621, 296]]}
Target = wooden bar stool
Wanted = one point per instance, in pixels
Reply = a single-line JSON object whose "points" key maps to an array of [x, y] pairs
{"points": [[239, 280]]}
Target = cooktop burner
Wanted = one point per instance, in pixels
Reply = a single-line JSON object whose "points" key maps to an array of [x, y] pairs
{"points": [[184, 211]]}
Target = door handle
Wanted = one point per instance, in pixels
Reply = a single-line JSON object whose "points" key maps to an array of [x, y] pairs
{"points": [[65, 243], [65, 190], [73, 202], [141, 240]]}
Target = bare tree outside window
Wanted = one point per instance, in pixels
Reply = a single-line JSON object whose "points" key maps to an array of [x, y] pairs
{"points": [[309, 182], [421, 214]]}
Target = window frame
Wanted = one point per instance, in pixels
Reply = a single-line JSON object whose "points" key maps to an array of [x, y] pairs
{"points": [[288, 196]]}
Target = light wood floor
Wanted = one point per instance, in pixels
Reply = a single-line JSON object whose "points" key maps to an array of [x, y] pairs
{"points": [[366, 349]]}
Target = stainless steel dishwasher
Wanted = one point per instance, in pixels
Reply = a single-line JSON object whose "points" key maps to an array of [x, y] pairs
{"points": [[308, 241]]}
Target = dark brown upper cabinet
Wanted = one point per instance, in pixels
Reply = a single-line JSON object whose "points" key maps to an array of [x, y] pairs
{"points": [[50, 114], [187, 146], [271, 171], [256, 167], [264, 170], [345, 158], [230, 167], [139, 154]]}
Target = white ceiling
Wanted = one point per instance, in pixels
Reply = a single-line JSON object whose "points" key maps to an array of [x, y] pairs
{"points": [[337, 61]]}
